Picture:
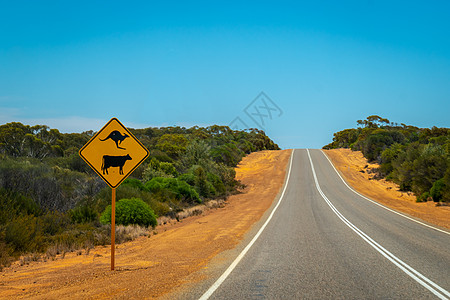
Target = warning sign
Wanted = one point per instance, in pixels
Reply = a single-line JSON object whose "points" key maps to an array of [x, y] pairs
{"points": [[114, 153]]}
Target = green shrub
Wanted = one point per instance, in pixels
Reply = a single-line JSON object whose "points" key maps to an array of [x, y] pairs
{"points": [[13, 203], [103, 199], [228, 154], [25, 234], [189, 178], [173, 187], [423, 198], [130, 211], [83, 214], [159, 169], [54, 222], [202, 185], [438, 190], [218, 185], [133, 182]]}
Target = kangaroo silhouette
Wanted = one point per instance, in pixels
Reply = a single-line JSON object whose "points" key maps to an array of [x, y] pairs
{"points": [[117, 137]]}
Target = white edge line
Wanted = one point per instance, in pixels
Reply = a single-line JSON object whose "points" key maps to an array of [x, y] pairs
{"points": [[233, 265], [418, 277], [381, 205]]}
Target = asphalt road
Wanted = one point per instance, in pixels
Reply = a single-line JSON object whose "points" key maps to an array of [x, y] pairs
{"points": [[323, 241]]}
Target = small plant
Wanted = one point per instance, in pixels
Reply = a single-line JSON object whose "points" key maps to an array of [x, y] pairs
{"points": [[83, 214], [129, 233], [5, 255], [130, 211], [52, 251]]}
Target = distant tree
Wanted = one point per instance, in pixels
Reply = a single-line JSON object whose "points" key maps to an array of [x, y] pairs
{"points": [[373, 121], [415, 158], [344, 139], [198, 153], [173, 144]]}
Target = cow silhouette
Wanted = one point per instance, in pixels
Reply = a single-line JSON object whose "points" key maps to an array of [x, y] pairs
{"points": [[114, 161], [117, 137]]}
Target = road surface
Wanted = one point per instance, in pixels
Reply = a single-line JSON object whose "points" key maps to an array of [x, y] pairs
{"points": [[323, 241]]}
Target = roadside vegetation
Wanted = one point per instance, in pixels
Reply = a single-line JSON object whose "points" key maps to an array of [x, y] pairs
{"points": [[417, 159], [51, 202]]}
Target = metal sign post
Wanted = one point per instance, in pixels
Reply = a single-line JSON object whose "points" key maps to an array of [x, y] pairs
{"points": [[113, 153]]}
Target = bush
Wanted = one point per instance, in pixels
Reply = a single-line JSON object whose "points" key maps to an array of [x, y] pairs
{"points": [[133, 182], [218, 185], [130, 211], [54, 222], [189, 178], [5, 255], [13, 204], [24, 234], [125, 191], [173, 187], [159, 169], [83, 214], [203, 186], [438, 190], [228, 154], [423, 198]]}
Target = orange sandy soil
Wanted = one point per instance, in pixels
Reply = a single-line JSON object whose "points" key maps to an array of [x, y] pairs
{"points": [[152, 267], [351, 163]]}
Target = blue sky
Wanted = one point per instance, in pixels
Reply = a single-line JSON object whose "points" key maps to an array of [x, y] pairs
{"points": [[323, 65]]}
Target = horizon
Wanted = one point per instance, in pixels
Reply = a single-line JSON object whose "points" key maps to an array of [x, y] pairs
{"points": [[159, 127]]}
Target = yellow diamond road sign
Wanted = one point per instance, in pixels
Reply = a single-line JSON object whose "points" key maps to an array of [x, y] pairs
{"points": [[114, 153]]}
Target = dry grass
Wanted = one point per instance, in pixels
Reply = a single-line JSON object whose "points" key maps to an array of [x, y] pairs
{"points": [[192, 211], [59, 250], [88, 245], [52, 251], [27, 259], [130, 232]]}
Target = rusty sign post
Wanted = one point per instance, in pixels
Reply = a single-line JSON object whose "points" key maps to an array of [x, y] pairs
{"points": [[113, 153]]}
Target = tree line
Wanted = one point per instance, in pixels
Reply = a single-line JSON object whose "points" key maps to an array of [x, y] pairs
{"points": [[51, 199], [417, 159]]}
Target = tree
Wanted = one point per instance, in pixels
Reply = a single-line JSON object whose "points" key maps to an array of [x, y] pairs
{"points": [[12, 138], [344, 139], [173, 144], [374, 121]]}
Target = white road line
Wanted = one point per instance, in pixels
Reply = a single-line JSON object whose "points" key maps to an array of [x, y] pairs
{"points": [[391, 210], [418, 277], [233, 265]]}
